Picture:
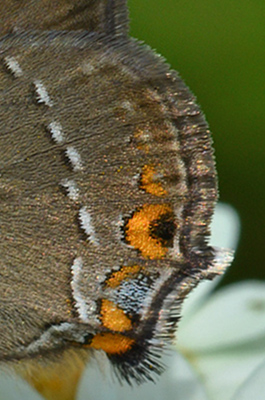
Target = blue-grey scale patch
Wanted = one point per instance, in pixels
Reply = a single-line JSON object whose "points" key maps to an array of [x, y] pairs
{"points": [[131, 294]]}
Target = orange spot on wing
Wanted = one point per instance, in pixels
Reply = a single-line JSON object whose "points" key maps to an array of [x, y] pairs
{"points": [[123, 274], [149, 183], [112, 343], [113, 317], [138, 230]]}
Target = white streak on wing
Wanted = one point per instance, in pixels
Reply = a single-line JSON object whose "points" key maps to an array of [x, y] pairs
{"points": [[46, 338], [175, 250], [56, 131], [42, 94], [81, 305], [86, 224], [74, 158], [127, 105], [72, 189], [87, 68], [13, 65], [54, 335]]}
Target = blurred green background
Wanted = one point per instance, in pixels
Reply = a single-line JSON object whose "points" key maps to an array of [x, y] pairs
{"points": [[218, 47]]}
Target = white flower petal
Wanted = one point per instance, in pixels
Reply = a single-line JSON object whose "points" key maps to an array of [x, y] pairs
{"points": [[223, 259], [232, 316], [254, 386], [224, 372], [225, 227], [13, 388], [196, 299]]}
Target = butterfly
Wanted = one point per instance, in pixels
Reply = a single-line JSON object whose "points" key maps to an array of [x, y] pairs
{"points": [[107, 189]]}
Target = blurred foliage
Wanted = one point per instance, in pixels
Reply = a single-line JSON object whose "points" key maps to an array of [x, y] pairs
{"points": [[218, 49]]}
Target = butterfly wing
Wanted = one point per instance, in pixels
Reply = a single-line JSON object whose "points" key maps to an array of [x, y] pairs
{"points": [[108, 185], [102, 16]]}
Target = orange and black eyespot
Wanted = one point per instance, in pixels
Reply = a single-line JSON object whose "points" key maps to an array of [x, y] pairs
{"points": [[151, 230], [164, 229]]}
